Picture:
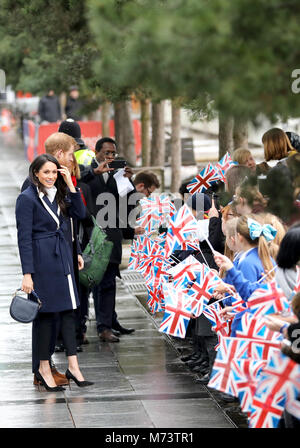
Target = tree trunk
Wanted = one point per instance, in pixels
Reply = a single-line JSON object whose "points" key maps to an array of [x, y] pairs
{"points": [[128, 134], [175, 149], [240, 133], [119, 135], [225, 134], [145, 125], [158, 134], [105, 117]]}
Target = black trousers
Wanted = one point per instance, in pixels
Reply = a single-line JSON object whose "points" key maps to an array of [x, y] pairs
{"points": [[45, 333], [105, 299]]}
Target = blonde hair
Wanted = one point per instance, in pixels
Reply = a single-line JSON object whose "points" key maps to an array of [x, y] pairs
{"points": [[240, 155], [59, 141], [230, 227], [268, 218], [276, 144], [260, 242], [75, 170], [229, 210]]}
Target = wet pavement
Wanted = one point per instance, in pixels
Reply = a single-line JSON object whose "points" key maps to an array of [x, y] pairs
{"points": [[140, 382]]}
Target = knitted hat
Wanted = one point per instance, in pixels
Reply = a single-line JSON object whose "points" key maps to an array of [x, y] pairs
{"points": [[199, 202], [71, 128]]}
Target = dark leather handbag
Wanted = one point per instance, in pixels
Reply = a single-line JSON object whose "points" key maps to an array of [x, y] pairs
{"points": [[24, 309]]}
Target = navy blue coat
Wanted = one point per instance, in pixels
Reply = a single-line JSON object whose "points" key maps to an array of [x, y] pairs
{"points": [[44, 250]]}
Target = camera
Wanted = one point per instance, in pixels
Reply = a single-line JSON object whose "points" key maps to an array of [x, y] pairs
{"points": [[116, 164]]}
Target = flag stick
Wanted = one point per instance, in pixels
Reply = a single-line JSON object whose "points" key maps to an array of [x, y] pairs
{"points": [[228, 297]]}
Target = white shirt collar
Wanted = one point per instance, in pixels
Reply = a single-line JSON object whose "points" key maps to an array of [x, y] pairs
{"points": [[51, 192]]}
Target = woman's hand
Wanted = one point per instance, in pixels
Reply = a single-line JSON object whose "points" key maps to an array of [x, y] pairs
{"points": [[226, 312], [213, 212], [139, 230], [67, 178], [27, 284], [80, 262], [221, 289], [222, 261]]}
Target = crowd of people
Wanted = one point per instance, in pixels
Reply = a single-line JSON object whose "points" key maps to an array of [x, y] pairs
{"points": [[253, 238], [255, 235]]}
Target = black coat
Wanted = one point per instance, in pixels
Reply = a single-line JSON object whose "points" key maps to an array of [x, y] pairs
{"points": [[117, 228], [73, 109], [49, 109]]}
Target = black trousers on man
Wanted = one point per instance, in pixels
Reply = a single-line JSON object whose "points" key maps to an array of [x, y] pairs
{"points": [[105, 299]]}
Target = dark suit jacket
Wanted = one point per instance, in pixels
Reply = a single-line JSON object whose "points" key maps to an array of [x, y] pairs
{"points": [[118, 227]]}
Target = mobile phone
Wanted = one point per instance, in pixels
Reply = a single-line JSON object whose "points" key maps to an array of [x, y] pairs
{"points": [[116, 164]]}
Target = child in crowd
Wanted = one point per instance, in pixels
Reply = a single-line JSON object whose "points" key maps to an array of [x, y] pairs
{"points": [[254, 261]]}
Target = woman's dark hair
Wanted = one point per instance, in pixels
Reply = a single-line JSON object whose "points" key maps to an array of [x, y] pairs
{"points": [[289, 249], [60, 184]]}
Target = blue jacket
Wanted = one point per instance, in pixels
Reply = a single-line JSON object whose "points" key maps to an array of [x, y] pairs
{"points": [[244, 277], [44, 250]]}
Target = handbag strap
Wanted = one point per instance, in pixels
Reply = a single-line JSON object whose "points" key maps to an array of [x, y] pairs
{"points": [[34, 295]]}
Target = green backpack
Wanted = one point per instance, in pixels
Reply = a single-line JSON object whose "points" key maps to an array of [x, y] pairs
{"points": [[96, 257]]}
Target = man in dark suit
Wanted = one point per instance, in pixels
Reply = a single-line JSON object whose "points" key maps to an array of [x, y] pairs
{"points": [[105, 193]]}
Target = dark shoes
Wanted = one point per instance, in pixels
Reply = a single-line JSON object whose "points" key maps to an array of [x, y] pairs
{"points": [[228, 398], [70, 376], [202, 369], [59, 378], [123, 330], [196, 362], [40, 381], [108, 336], [204, 379], [192, 356], [115, 332]]}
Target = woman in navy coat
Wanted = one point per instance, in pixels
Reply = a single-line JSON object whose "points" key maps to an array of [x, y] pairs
{"points": [[42, 212]]}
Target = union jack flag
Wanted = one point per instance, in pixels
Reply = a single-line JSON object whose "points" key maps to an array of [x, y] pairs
{"points": [[182, 227], [221, 326], [223, 377], [253, 327], [203, 180], [267, 299], [155, 300], [224, 164], [177, 312], [137, 249], [203, 288], [185, 270], [155, 211], [247, 373], [279, 381]]}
